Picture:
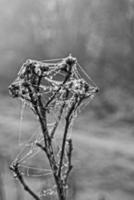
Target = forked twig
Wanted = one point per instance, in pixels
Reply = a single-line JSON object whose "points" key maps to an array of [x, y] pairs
{"points": [[15, 169]]}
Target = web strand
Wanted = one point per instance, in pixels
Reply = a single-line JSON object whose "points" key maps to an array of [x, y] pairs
{"points": [[23, 104], [52, 60], [37, 171], [89, 78]]}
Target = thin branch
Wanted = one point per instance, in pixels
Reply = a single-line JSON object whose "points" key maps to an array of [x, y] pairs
{"points": [[63, 147], [69, 157], [65, 135], [15, 169], [58, 120]]}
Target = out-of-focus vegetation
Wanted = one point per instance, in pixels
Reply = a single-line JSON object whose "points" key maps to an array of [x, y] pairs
{"points": [[100, 33]]}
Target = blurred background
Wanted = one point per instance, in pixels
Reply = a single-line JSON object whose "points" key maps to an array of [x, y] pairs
{"points": [[100, 34]]}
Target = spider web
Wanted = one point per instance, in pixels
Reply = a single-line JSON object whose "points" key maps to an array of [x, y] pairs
{"points": [[57, 103]]}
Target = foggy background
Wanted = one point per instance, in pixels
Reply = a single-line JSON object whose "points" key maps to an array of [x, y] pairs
{"points": [[100, 34]]}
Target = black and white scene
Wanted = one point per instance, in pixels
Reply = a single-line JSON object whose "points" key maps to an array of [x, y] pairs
{"points": [[66, 100]]}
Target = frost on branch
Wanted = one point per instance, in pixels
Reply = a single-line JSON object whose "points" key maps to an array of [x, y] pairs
{"points": [[49, 87]]}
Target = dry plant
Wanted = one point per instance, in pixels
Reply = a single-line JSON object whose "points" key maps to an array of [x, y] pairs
{"points": [[46, 87]]}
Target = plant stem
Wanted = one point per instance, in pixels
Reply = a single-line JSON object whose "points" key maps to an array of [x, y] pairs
{"points": [[15, 169]]}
